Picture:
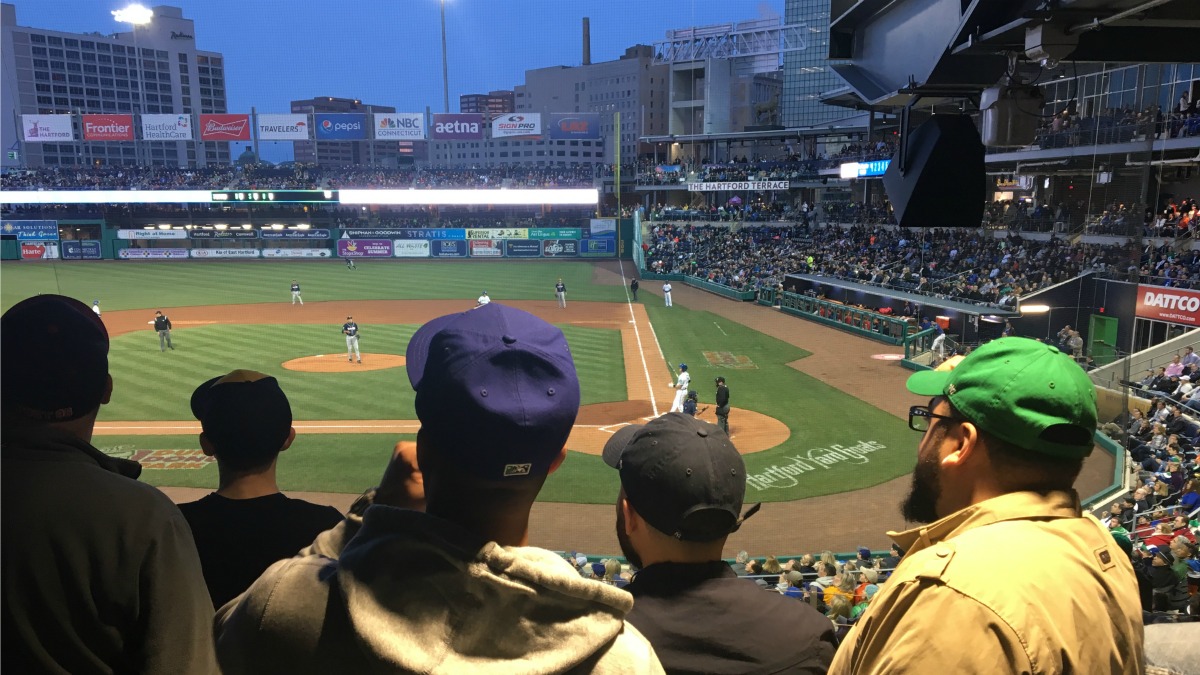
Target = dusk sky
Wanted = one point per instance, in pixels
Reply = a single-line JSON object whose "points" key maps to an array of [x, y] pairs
{"points": [[388, 52]]}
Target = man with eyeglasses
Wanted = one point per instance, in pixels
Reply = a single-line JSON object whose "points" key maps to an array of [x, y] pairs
{"points": [[1003, 440]]}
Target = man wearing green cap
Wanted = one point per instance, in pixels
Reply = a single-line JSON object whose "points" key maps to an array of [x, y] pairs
{"points": [[1003, 439]]}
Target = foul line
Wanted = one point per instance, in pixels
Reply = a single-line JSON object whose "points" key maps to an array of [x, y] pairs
{"points": [[638, 335]]}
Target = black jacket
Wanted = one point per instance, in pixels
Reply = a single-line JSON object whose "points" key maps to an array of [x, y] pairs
{"points": [[701, 618]]}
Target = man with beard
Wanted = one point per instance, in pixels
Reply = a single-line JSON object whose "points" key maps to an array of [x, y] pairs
{"points": [[1004, 438], [682, 488]]}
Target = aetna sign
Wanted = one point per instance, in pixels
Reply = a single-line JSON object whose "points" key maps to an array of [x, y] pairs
{"points": [[108, 127], [1169, 304], [457, 126]]}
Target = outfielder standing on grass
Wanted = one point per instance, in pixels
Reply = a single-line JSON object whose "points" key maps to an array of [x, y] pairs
{"points": [[681, 388], [350, 330], [296, 293], [667, 293], [162, 324], [560, 291]]}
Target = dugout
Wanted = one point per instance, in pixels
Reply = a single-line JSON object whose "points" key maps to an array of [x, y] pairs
{"points": [[964, 321]]}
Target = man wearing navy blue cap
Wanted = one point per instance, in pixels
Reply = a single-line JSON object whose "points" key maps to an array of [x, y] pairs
{"points": [[682, 489], [456, 588], [100, 571]]}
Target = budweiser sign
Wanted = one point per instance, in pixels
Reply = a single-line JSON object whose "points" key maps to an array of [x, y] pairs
{"points": [[1169, 304], [224, 127], [108, 127]]}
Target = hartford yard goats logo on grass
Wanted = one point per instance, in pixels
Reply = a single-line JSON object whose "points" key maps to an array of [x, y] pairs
{"points": [[729, 360], [160, 459], [785, 475]]}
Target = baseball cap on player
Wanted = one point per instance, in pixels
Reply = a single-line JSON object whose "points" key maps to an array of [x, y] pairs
{"points": [[682, 475], [1021, 391], [245, 415], [683, 366], [53, 359], [496, 387]]}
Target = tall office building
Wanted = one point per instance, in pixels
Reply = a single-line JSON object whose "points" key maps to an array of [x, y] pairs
{"points": [[345, 153], [154, 69], [806, 73], [632, 85], [493, 104]]}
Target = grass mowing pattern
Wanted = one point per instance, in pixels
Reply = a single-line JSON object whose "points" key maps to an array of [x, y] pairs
{"points": [[141, 285], [153, 385]]}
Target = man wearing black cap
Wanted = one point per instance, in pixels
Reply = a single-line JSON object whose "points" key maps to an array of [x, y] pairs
{"points": [[247, 524], [455, 589], [722, 405], [1003, 439], [100, 573], [682, 486]]}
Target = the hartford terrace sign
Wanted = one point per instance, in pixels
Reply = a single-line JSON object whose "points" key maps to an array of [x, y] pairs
{"points": [[787, 475]]}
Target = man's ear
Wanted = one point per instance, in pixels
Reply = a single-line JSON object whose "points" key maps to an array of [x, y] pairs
{"points": [[960, 446], [633, 522], [562, 455], [107, 395], [291, 437], [206, 446]]}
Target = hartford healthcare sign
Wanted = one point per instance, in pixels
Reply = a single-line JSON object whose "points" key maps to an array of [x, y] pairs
{"points": [[1168, 304]]}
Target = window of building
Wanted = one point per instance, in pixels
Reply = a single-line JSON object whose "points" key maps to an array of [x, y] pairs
{"points": [[39, 51], [75, 67], [574, 143], [57, 53], [37, 38], [54, 40], [561, 153]]}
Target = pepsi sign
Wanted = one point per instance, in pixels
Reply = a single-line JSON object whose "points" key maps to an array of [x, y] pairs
{"points": [[340, 126]]}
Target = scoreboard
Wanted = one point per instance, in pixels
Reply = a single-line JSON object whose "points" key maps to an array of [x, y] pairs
{"points": [[275, 196]]}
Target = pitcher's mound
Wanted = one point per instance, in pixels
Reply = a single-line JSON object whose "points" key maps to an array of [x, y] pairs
{"points": [[337, 363]]}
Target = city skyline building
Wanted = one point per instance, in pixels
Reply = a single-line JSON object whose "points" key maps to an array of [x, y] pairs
{"points": [[493, 104], [807, 73], [344, 153], [152, 69]]}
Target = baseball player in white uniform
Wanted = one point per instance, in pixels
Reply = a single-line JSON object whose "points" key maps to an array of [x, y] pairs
{"points": [[350, 330], [681, 388], [482, 300], [667, 293]]}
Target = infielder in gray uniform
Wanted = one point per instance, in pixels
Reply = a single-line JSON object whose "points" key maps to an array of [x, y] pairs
{"points": [[350, 330], [560, 291]]}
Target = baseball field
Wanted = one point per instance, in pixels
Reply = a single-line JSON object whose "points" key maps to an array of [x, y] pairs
{"points": [[801, 436]]}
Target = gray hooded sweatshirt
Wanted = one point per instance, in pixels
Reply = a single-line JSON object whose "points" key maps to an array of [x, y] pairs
{"points": [[400, 591]]}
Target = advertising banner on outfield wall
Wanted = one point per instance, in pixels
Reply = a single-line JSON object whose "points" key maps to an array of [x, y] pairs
{"points": [[86, 249], [297, 253], [522, 248], [498, 233], [486, 248], [107, 127], [448, 248], [400, 126], [296, 234], [573, 125], [29, 230], [47, 128], [598, 248], [456, 127], [152, 234], [560, 248], [225, 127], [273, 127], [223, 234], [153, 254], [555, 233], [39, 250], [601, 227], [1168, 304], [740, 186], [364, 248], [166, 127], [517, 124], [427, 233], [340, 126], [410, 248], [225, 253]]}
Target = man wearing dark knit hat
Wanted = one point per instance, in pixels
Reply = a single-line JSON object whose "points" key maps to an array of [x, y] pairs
{"points": [[455, 589], [1003, 440], [682, 487], [247, 524], [100, 571]]}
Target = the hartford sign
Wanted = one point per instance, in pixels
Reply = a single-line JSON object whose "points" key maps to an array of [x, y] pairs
{"points": [[1168, 304], [787, 475]]}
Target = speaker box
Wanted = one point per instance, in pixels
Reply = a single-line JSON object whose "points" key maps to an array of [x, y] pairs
{"points": [[945, 185]]}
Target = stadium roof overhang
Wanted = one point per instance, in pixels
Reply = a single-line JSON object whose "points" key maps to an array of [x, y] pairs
{"points": [[951, 50], [850, 124]]}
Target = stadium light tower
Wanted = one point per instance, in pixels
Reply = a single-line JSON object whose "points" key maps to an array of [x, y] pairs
{"points": [[445, 72], [136, 15]]}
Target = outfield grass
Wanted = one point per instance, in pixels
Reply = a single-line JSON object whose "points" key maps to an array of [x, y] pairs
{"points": [[142, 285], [203, 352]]}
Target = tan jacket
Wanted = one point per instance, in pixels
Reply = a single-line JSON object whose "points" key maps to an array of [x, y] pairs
{"points": [[399, 591], [1021, 583]]}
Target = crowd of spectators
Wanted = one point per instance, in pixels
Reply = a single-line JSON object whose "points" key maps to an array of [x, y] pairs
{"points": [[946, 263], [789, 165], [295, 176], [1120, 125]]}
